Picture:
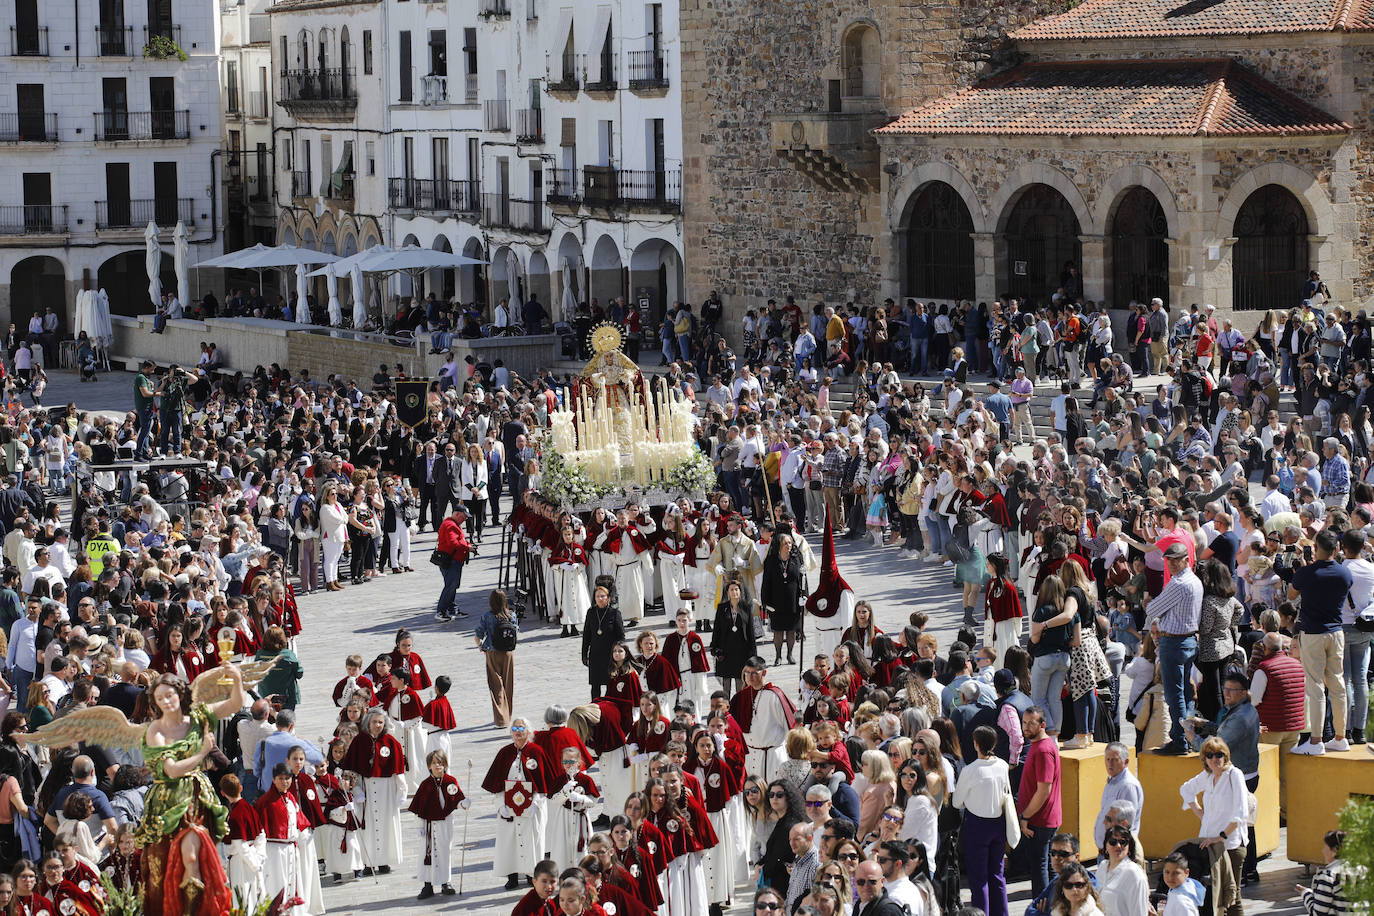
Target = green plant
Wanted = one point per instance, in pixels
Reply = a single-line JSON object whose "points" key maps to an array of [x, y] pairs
{"points": [[1357, 852], [160, 47], [127, 902]]}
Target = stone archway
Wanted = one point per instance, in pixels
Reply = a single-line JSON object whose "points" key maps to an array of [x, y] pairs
{"points": [[124, 278], [568, 269], [472, 281], [656, 276], [1039, 235], [1139, 247], [1269, 260], [607, 269], [39, 281], [937, 257]]}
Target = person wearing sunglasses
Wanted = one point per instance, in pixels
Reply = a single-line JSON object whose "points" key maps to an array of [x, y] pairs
{"points": [[521, 776], [874, 899], [787, 809], [1074, 893], [1123, 887], [1223, 816], [768, 902], [1063, 851]]}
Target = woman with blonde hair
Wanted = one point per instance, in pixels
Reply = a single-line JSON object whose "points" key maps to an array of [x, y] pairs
{"points": [[876, 787], [1224, 816], [800, 745]]}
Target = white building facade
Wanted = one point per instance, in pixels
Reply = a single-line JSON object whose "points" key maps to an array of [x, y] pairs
{"points": [[248, 93], [544, 139], [109, 120], [329, 126]]}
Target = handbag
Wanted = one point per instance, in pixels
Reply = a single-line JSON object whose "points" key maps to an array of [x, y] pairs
{"points": [[1364, 620], [439, 558], [1012, 819]]}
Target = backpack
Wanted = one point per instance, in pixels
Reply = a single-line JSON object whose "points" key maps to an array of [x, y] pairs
{"points": [[1071, 330], [504, 635]]}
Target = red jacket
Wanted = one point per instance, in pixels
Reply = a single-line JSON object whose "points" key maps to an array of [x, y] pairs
{"points": [[453, 540], [1282, 708]]}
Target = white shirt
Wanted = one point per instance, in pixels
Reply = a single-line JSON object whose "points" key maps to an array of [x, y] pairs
{"points": [[1058, 411], [1273, 503], [35, 573], [60, 559], [57, 689], [903, 891], [1223, 803], [1361, 589], [1123, 890], [981, 787]]}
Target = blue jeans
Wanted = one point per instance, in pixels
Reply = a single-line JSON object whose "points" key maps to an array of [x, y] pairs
{"points": [[939, 533], [1034, 853], [20, 681], [920, 349], [171, 433], [971, 354], [684, 346], [1357, 676], [730, 482], [1048, 674], [1176, 655], [1286, 376], [453, 577], [145, 433], [1085, 712]]}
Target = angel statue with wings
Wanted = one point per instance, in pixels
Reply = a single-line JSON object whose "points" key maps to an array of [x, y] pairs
{"points": [[183, 816]]}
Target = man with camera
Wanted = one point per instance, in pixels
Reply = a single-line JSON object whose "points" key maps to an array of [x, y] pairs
{"points": [[1322, 584]]}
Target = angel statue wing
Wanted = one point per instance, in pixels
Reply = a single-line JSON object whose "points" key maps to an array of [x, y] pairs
{"points": [[208, 690], [102, 725]]}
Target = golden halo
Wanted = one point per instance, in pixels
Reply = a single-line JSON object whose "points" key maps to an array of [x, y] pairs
{"points": [[604, 338]]}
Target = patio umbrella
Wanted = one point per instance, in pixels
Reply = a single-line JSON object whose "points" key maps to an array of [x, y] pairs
{"points": [[181, 249], [100, 317], [302, 292], [335, 309], [569, 307], [302, 307], [344, 266], [359, 303], [83, 314], [260, 257], [153, 264], [513, 280]]}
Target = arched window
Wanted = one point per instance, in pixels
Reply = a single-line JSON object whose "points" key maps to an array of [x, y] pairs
{"points": [[1140, 254], [860, 63], [1041, 236], [304, 43], [939, 245], [1269, 261]]}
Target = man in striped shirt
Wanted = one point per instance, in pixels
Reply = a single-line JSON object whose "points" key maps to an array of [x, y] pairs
{"points": [[1173, 619]]}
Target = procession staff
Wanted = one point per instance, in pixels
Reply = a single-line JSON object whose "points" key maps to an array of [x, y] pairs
{"points": [[436, 801], [520, 776], [766, 715]]}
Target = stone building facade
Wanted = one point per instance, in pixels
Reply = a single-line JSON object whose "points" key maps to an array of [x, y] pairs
{"points": [[1202, 157]]}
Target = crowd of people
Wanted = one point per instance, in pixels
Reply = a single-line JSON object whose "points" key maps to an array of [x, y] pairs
{"points": [[902, 769]]}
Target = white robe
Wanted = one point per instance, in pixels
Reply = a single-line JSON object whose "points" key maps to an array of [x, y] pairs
{"points": [[569, 596], [628, 568], [411, 734], [284, 869], [520, 842], [672, 579], [437, 739], [244, 865], [766, 735], [830, 629], [684, 886], [720, 862], [695, 686], [615, 779], [439, 836], [342, 852], [382, 820], [310, 873], [566, 825]]}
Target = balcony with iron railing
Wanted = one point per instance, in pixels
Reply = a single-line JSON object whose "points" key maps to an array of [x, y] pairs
{"points": [[33, 219], [563, 187], [607, 77], [494, 9], [567, 78], [497, 114], [529, 125], [648, 70], [333, 90], [501, 212], [113, 126], [137, 214], [29, 42], [340, 186], [171, 33], [300, 185], [434, 89], [114, 41], [433, 195], [28, 127], [232, 105], [608, 187]]}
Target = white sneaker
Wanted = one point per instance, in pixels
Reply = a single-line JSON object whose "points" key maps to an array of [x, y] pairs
{"points": [[1073, 744], [1310, 748], [1339, 744], [949, 563], [906, 554]]}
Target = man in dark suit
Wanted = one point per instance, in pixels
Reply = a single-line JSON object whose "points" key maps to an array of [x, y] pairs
{"points": [[447, 483], [422, 475]]}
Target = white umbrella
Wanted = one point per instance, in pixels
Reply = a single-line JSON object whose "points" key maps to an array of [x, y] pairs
{"points": [[413, 257], [181, 249], [302, 292], [101, 319], [335, 309], [302, 307], [260, 257], [83, 314], [513, 280], [344, 266], [359, 306], [569, 307], [153, 264]]}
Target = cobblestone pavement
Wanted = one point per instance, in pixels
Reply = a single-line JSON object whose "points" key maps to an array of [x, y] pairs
{"points": [[364, 619]]}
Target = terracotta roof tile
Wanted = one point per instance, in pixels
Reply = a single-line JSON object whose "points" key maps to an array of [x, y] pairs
{"points": [[1162, 18], [1113, 98]]}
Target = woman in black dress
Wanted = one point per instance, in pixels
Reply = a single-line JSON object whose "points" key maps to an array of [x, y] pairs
{"points": [[781, 593], [732, 636], [788, 808], [602, 630]]}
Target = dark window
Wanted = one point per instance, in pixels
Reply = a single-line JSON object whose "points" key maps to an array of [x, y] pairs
{"points": [[367, 51], [165, 193], [118, 212], [406, 92], [33, 118], [1041, 236], [939, 245], [1140, 254], [1269, 262]]}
